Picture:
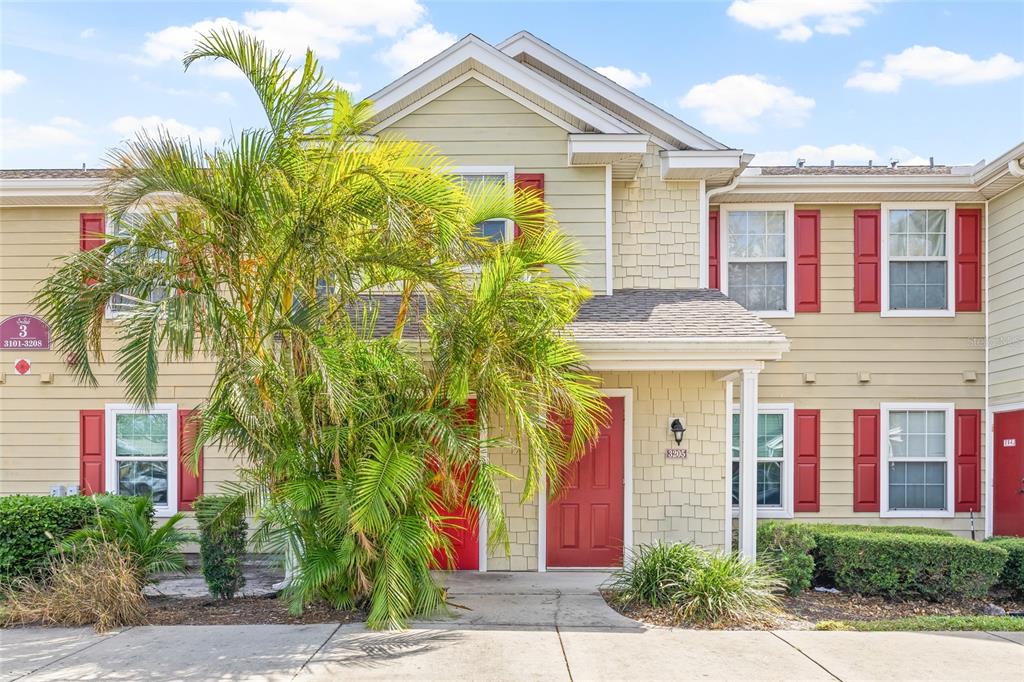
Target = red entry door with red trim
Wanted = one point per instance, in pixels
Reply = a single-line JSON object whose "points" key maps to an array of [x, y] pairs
{"points": [[1008, 467], [463, 529], [585, 522]]}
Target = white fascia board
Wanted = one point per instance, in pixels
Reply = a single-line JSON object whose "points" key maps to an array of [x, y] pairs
{"points": [[46, 187], [993, 171], [784, 184], [717, 353], [690, 164], [607, 88], [599, 143], [473, 48]]}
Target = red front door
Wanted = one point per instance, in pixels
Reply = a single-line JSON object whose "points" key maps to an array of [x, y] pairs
{"points": [[463, 529], [1008, 497], [585, 523]]}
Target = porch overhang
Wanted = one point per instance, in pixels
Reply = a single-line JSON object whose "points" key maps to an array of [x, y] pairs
{"points": [[668, 354], [623, 152], [716, 167]]}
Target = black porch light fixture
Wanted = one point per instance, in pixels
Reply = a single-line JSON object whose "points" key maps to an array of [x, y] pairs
{"points": [[677, 430]]}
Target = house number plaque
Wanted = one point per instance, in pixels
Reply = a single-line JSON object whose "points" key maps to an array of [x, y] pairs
{"points": [[675, 453], [24, 332]]}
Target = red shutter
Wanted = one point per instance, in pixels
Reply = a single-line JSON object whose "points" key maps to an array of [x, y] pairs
{"points": [[714, 257], [92, 452], [867, 460], [807, 256], [806, 460], [867, 261], [534, 181], [90, 225], [968, 461], [190, 483], [968, 259]]}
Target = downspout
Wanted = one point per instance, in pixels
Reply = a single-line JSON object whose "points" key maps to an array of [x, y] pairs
{"points": [[989, 435], [705, 205]]}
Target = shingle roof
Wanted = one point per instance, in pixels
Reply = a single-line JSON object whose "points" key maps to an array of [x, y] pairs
{"points": [[52, 173], [634, 314], [855, 170]]}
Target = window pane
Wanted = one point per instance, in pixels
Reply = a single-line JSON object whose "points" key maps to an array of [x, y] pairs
{"points": [[735, 436], [141, 435], [917, 433], [917, 486], [756, 234], [770, 444], [769, 483], [493, 230], [758, 286], [147, 479], [917, 285], [770, 435], [735, 484]]}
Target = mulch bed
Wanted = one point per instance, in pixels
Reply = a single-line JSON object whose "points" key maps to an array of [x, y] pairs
{"points": [[241, 611], [803, 611]]}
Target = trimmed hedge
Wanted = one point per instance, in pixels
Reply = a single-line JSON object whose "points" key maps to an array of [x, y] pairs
{"points": [[818, 528], [1012, 577], [787, 547], [901, 565], [222, 539], [32, 526]]}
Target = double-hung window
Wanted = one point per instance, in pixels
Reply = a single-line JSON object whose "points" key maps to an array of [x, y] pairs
{"points": [[918, 275], [757, 249], [774, 460], [917, 473], [496, 230], [142, 453], [124, 303]]}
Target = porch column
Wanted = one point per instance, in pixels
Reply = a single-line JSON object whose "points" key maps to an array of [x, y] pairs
{"points": [[728, 464], [748, 464]]}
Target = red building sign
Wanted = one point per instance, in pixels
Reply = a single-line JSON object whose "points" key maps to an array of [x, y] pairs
{"points": [[24, 332]]}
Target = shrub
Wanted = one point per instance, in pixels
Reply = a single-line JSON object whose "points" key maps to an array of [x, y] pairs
{"points": [[30, 527], [222, 532], [130, 526], [787, 547], [1012, 577], [96, 585], [654, 572], [900, 530], [901, 565]]}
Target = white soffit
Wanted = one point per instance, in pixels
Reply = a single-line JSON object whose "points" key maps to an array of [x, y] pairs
{"points": [[716, 167], [624, 153], [607, 89], [479, 55]]}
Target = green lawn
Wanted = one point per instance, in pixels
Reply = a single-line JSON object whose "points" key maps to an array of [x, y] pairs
{"points": [[1004, 623]]}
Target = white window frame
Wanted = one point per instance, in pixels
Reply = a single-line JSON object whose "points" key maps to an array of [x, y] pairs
{"points": [[723, 250], [950, 258], [510, 183], [109, 312], [950, 461], [785, 511], [110, 460]]}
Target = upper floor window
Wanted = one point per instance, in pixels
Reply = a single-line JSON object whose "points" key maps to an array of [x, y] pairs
{"points": [[917, 473], [758, 255], [917, 277], [497, 230], [123, 303]]}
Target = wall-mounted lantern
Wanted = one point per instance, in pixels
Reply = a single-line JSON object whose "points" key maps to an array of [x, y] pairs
{"points": [[678, 429]]}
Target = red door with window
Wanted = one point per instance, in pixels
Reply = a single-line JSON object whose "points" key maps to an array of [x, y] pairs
{"points": [[1008, 465], [463, 529], [585, 521]]}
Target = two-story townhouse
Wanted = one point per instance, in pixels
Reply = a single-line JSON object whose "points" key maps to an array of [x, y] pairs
{"points": [[773, 342]]}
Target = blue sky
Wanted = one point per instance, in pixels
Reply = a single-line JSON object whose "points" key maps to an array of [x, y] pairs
{"points": [[846, 79]]}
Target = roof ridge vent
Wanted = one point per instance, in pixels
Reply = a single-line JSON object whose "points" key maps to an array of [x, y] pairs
{"points": [[800, 163]]}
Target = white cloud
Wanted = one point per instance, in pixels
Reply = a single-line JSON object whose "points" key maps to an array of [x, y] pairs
{"points": [[87, 33], [416, 47], [321, 25], [933, 64], [798, 20], [10, 81], [60, 131], [842, 154], [627, 78], [224, 97], [741, 102], [353, 88], [128, 126]]}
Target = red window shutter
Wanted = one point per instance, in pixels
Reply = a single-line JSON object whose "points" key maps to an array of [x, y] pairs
{"points": [[807, 257], [190, 482], [714, 245], [806, 460], [867, 261], [968, 259], [967, 459], [534, 181], [867, 460], [92, 452], [89, 226]]}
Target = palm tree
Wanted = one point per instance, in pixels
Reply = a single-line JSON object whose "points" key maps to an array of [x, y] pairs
{"points": [[299, 257]]}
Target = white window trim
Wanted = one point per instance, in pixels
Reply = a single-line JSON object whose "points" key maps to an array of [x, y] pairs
{"points": [[771, 512], [948, 512], [950, 209], [510, 183], [723, 250], [171, 410]]}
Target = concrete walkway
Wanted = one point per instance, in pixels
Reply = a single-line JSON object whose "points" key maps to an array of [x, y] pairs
{"points": [[505, 627]]}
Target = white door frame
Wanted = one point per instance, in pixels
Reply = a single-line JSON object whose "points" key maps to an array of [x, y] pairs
{"points": [[990, 461], [627, 486]]}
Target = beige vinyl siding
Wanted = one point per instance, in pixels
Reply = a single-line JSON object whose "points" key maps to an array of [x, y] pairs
{"points": [[474, 125], [909, 360], [1006, 297]]}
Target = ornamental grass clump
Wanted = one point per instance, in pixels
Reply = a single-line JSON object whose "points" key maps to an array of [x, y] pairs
{"points": [[95, 584], [654, 572]]}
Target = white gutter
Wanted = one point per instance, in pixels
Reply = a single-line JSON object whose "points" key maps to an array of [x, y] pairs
{"points": [[1013, 165], [704, 206]]}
